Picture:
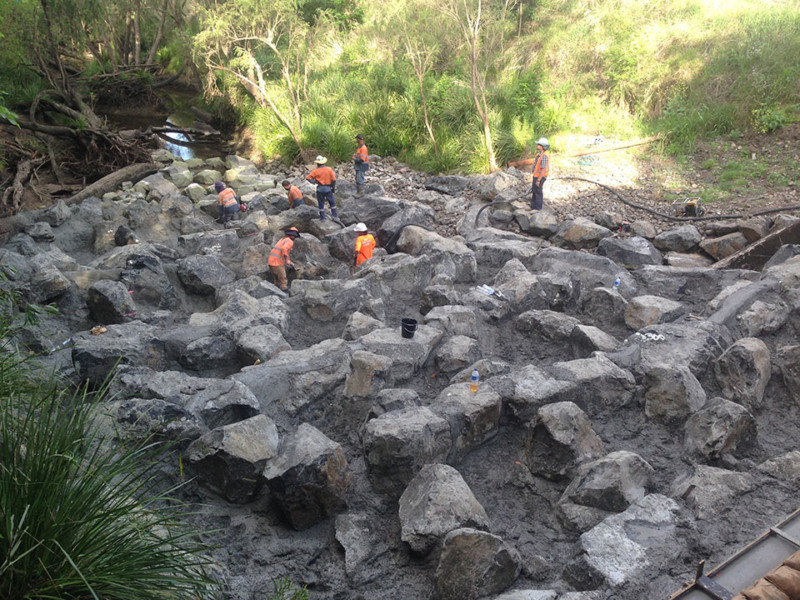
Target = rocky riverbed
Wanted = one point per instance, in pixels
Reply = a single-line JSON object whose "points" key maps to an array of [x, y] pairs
{"points": [[618, 435]]}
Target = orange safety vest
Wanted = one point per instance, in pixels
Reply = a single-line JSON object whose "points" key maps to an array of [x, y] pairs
{"points": [[365, 244], [541, 165], [362, 153], [323, 175], [279, 255], [227, 197]]}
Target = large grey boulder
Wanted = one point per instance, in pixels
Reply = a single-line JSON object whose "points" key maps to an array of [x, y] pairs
{"points": [[473, 416], [223, 242], [260, 343], [474, 564], [607, 485], [399, 443], [599, 382], [230, 459], [407, 355], [785, 467], [400, 273], [146, 420], [363, 542], [787, 359], [299, 378], [672, 393], [215, 402], [534, 387], [333, 299], [580, 233], [48, 284], [707, 491], [310, 478], [436, 502], [630, 252], [642, 311], [133, 343], [203, 275], [411, 214], [678, 239], [546, 326], [447, 184], [743, 372], [692, 343], [624, 546], [541, 223], [450, 252], [456, 352], [589, 269], [723, 246], [453, 320], [605, 307], [110, 302], [559, 440], [719, 428], [370, 374]]}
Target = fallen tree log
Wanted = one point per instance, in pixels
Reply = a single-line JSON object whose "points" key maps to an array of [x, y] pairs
{"points": [[113, 181]]}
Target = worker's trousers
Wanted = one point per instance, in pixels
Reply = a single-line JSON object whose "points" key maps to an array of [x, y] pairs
{"points": [[537, 195]]}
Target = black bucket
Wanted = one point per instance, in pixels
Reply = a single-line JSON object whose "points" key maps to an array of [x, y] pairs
{"points": [[409, 327]]}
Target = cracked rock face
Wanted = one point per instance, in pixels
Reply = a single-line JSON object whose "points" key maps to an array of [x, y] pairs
{"points": [[617, 434]]}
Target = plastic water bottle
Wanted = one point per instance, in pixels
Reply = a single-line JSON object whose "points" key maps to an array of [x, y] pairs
{"points": [[616, 284], [473, 384]]}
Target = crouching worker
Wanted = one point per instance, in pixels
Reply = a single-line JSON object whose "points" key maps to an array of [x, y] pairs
{"points": [[295, 194], [228, 202], [365, 244], [279, 257]]}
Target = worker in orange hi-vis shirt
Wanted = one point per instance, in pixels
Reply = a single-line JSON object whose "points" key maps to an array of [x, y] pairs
{"points": [[365, 244], [325, 179], [279, 257], [541, 169], [295, 194], [361, 163]]}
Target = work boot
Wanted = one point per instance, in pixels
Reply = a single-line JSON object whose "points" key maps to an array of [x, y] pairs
{"points": [[359, 190], [322, 215], [335, 213]]}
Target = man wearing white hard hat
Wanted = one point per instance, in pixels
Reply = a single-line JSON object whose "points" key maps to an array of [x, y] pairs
{"points": [[365, 244], [325, 179]]}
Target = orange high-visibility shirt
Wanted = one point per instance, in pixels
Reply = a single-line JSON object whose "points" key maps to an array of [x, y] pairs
{"points": [[323, 175], [541, 165], [279, 255], [294, 194], [365, 244], [227, 197], [362, 153]]}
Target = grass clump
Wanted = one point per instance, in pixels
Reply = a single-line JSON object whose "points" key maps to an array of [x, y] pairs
{"points": [[80, 519]]}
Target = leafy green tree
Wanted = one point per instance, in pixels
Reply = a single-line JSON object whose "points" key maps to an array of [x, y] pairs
{"points": [[268, 48]]}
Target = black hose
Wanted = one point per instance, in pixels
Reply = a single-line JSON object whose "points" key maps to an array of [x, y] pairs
{"points": [[655, 212], [671, 218]]}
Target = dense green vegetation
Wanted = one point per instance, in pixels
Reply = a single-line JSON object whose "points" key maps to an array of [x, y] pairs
{"points": [[446, 84], [80, 518]]}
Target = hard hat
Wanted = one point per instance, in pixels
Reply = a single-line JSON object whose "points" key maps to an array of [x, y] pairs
{"points": [[359, 137], [360, 227], [543, 143], [292, 231], [219, 186], [320, 160]]}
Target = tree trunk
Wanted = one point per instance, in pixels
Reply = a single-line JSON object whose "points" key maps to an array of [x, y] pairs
{"points": [[111, 182]]}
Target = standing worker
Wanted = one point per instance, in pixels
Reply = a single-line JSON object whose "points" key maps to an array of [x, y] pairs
{"points": [[325, 179], [295, 194], [279, 257], [361, 164], [365, 244], [228, 202], [541, 169]]}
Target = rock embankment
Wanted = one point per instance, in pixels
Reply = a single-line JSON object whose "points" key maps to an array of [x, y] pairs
{"points": [[619, 434]]}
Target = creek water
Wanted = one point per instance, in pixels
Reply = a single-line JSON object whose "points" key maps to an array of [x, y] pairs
{"points": [[180, 114]]}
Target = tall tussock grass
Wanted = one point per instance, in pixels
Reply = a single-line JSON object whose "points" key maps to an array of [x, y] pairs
{"points": [[81, 518]]}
